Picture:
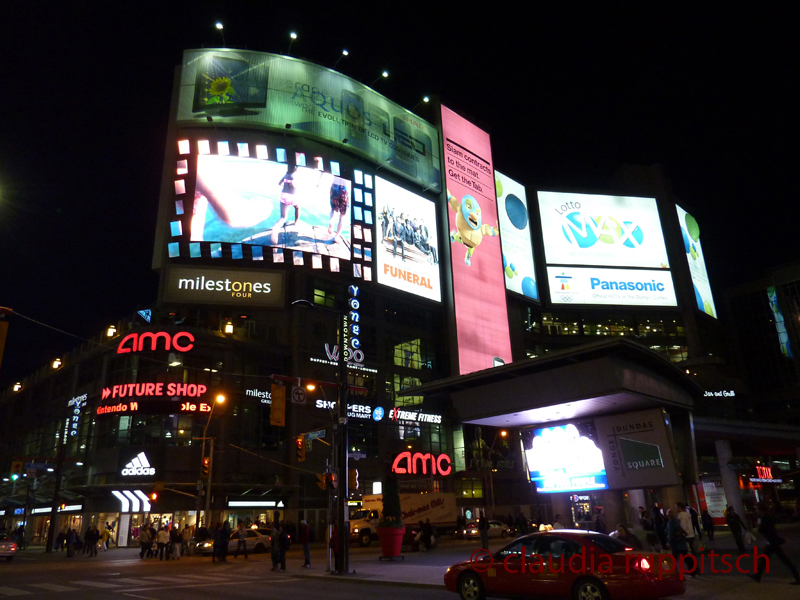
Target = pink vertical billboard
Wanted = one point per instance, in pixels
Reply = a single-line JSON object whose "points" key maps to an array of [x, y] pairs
{"points": [[477, 259]]}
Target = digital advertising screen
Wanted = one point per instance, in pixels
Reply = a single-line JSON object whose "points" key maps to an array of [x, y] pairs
{"points": [[627, 287], [564, 458], [603, 231], [267, 203], [690, 231], [515, 236], [407, 253], [476, 256], [241, 88]]}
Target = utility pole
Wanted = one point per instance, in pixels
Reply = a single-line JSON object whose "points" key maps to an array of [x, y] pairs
{"points": [[342, 495], [208, 487]]}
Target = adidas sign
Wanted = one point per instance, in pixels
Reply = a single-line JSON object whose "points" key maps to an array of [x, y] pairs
{"points": [[139, 466]]}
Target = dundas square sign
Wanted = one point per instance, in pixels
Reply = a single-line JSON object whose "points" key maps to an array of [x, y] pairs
{"points": [[204, 285]]}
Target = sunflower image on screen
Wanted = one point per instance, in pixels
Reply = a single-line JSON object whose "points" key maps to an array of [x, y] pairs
{"points": [[469, 230]]}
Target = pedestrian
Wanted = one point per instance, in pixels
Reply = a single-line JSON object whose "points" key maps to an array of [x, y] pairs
{"points": [[61, 539], [427, 534], [162, 539], [695, 521], [186, 536], [275, 545], [624, 535], [650, 536], [145, 542], [557, 524], [283, 547], [766, 528], [600, 523], [676, 535], [660, 525], [708, 525], [70, 541], [225, 538], [685, 520], [304, 538], [483, 528], [241, 535], [215, 536], [736, 525], [175, 542], [106, 537]]}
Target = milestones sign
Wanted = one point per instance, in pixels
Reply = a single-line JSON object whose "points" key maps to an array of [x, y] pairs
{"points": [[204, 285]]}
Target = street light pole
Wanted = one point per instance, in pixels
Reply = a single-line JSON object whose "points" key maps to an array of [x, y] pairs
{"points": [[218, 400], [502, 433], [342, 493]]}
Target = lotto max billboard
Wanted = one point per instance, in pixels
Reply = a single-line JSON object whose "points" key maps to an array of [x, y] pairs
{"points": [[240, 88], [515, 236], [407, 256], [626, 287], [603, 231], [476, 257], [564, 458], [697, 262]]}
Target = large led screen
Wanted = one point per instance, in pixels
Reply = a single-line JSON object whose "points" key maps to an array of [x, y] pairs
{"points": [[603, 231], [627, 287], [477, 259], [515, 236], [252, 201], [697, 262], [564, 458], [241, 88], [407, 256]]}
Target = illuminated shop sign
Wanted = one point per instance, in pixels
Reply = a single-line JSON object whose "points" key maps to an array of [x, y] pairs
{"points": [[719, 394], [202, 285], [139, 390], [76, 404], [266, 397], [476, 257], [353, 355], [416, 416], [354, 411], [565, 458], [241, 88], [134, 342], [765, 476], [417, 463], [138, 466], [154, 407], [628, 287]]}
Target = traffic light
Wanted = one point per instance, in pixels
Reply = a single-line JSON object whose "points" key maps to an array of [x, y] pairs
{"points": [[321, 481], [206, 466], [300, 441], [153, 497], [331, 482], [16, 470], [352, 479]]}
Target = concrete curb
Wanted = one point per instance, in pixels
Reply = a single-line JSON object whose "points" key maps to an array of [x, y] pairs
{"points": [[355, 578]]}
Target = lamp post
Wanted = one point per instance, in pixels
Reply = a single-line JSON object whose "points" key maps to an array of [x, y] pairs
{"points": [[340, 454], [218, 400], [502, 433]]}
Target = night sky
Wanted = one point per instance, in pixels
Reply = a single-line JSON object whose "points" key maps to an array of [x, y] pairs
{"points": [[569, 94]]}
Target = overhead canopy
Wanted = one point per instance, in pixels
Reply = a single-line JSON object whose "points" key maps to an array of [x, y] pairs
{"points": [[609, 376]]}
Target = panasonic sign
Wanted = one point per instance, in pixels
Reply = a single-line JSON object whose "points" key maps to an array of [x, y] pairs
{"points": [[138, 466]]}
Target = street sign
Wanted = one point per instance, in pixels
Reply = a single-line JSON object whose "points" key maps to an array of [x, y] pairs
{"points": [[356, 455], [31, 472], [36, 465], [298, 395], [314, 435]]}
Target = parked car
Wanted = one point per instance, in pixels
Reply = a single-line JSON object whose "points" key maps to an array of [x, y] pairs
{"points": [[8, 547], [496, 529], [627, 575]]}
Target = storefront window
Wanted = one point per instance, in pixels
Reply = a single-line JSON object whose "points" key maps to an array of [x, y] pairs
{"points": [[559, 325], [618, 325], [468, 488]]}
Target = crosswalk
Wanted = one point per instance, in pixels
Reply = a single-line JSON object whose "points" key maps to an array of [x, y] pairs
{"points": [[116, 584]]}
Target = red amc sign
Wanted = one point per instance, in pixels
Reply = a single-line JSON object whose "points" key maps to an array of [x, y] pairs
{"points": [[134, 342], [411, 462]]}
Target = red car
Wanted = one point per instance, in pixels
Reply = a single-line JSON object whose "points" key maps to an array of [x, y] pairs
{"points": [[582, 565]]}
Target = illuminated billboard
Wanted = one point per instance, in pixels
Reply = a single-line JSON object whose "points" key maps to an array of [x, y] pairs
{"points": [[267, 203], [564, 458], [697, 262], [515, 236], [241, 88], [476, 256], [627, 287], [603, 231], [407, 255]]}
